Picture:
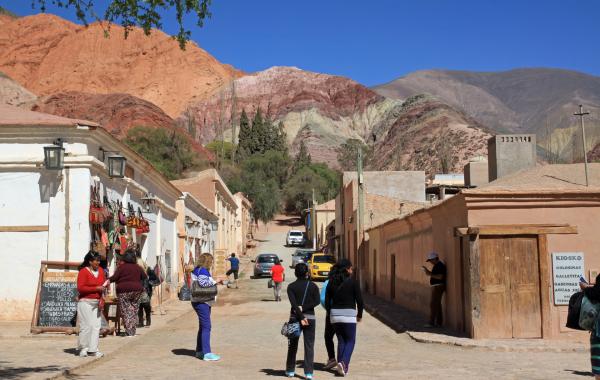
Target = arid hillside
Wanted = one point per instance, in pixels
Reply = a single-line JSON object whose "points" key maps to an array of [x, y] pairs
{"points": [[115, 112], [47, 55], [12, 93]]}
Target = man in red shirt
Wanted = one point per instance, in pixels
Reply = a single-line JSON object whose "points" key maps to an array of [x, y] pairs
{"points": [[278, 276]]}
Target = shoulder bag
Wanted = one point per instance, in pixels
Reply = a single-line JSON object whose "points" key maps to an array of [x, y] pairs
{"points": [[294, 329], [203, 294]]}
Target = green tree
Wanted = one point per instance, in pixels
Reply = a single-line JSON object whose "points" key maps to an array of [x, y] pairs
{"points": [[302, 158], [347, 154], [280, 142], [244, 138], [258, 141], [298, 191], [224, 148], [145, 14], [169, 151]]}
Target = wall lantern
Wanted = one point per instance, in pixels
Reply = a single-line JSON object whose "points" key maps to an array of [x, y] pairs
{"points": [[54, 155], [149, 201], [116, 163]]}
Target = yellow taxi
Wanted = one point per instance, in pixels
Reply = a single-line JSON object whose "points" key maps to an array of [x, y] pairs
{"points": [[319, 265]]}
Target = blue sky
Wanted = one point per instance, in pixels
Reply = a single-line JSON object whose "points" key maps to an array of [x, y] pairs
{"points": [[379, 40]]}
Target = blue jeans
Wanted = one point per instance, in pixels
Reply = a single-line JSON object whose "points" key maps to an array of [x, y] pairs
{"points": [[346, 335], [203, 339]]}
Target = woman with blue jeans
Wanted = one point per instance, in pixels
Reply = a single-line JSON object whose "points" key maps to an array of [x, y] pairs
{"points": [[343, 300], [202, 275]]}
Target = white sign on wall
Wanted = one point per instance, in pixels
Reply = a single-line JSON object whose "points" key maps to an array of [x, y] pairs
{"points": [[567, 267]]}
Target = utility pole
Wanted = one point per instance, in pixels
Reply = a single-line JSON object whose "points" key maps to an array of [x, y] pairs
{"points": [[314, 220], [581, 114], [361, 209]]}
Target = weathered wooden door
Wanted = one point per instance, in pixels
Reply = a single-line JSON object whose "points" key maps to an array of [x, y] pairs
{"points": [[509, 287], [393, 277]]}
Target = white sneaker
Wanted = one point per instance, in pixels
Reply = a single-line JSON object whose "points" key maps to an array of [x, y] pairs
{"points": [[340, 369], [83, 353], [96, 354]]}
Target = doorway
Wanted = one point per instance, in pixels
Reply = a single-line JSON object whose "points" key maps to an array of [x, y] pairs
{"points": [[510, 287]]}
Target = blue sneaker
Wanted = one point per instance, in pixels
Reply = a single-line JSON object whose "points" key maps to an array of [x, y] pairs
{"points": [[200, 354], [210, 357], [290, 374]]}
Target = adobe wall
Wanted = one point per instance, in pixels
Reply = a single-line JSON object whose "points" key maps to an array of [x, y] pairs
{"points": [[410, 240]]}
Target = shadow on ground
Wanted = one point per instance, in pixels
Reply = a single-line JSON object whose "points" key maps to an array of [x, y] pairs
{"points": [[273, 372], [401, 319], [290, 222], [580, 373], [183, 352], [72, 351], [8, 372]]}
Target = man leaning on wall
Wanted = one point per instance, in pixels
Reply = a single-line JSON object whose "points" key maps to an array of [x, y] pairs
{"points": [[437, 281]]}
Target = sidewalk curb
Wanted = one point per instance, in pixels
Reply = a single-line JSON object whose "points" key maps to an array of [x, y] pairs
{"points": [[468, 343], [88, 363]]}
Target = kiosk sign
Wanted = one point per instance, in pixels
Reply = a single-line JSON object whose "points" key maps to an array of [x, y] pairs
{"points": [[567, 268]]}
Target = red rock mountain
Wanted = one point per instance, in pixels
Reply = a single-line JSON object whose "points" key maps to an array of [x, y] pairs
{"points": [[47, 55], [115, 112]]}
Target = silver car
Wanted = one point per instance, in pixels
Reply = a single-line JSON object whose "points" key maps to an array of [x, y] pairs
{"points": [[263, 264], [301, 256]]}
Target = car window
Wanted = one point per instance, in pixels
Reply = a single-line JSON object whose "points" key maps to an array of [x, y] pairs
{"points": [[293, 233], [324, 259], [266, 259]]}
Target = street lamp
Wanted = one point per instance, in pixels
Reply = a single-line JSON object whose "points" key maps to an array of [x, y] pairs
{"points": [[54, 156], [116, 166]]}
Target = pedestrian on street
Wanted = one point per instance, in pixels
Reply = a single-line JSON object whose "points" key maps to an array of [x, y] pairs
{"points": [[437, 281], [329, 331], [304, 297], [91, 283], [277, 276], [201, 274], [234, 268], [128, 278], [146, 298], [592, 292], [343, 300]]}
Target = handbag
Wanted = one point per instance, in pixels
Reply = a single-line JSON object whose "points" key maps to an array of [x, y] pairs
{"points": [[294, 329], [122, 217], [270, 283], [588, 314], [203, 294], [144, 225], [96, 209], [574, 311]]}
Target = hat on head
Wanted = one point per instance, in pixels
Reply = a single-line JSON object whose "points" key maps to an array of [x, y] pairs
{"points": [[432, 256]]}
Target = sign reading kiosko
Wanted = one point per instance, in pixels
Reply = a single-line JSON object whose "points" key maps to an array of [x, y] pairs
{"points": [[567, 268]]}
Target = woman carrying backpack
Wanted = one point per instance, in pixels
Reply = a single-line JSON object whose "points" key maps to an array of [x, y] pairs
{"points": [[592, 292], [304, 297], [343, 300]]}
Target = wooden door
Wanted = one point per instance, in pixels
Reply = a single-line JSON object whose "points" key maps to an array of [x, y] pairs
{"points": [[525, 287], [495, 309], [509, 287], [374, 272]]}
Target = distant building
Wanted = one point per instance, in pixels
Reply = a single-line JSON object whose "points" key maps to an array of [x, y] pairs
{"points": [[508, 154], [476, 172], [243, 221]]}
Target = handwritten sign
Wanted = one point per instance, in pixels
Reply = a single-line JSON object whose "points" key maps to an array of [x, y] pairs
{"points": [[58, 303], [567, 267]]}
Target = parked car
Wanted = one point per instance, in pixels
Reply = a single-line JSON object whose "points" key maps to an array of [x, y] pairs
{"points": [[263, 264], [319, 265], [294, 237], [301, 255]]}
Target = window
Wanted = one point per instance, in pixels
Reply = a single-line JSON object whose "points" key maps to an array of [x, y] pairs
{"points": [[168, 266], [266, 259], [296, 233], [323, 259]]}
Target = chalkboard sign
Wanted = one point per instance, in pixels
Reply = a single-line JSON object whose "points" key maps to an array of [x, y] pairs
{"points": [[58, 299]]}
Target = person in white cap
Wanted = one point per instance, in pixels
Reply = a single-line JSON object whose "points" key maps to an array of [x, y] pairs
{"points": [[437, 280]]}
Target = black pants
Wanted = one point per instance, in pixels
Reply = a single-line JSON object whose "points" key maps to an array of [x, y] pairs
{"points": [[309, 348], [146, 306], [329, 333], [234, 271], [436, 316]]}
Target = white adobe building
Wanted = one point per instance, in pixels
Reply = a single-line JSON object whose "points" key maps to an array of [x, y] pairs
{"points": [[44, 213]]}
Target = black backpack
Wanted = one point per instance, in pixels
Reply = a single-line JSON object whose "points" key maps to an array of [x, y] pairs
{"points": [[574, 311]]}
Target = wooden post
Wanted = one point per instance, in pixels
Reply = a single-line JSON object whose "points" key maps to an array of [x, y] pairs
{"points": [[475, 287], [545, 286], [36, 305]]}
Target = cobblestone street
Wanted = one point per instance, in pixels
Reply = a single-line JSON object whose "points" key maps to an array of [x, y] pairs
{"points": [[246, 325]]}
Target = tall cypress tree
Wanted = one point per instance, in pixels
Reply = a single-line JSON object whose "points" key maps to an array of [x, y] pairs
{"points": [[302, 158], [259, 133], [244, 138]]}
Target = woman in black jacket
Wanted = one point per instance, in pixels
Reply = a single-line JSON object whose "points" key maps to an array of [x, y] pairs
{"points": [[343, 300], [592, 292], [304, 297]]}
